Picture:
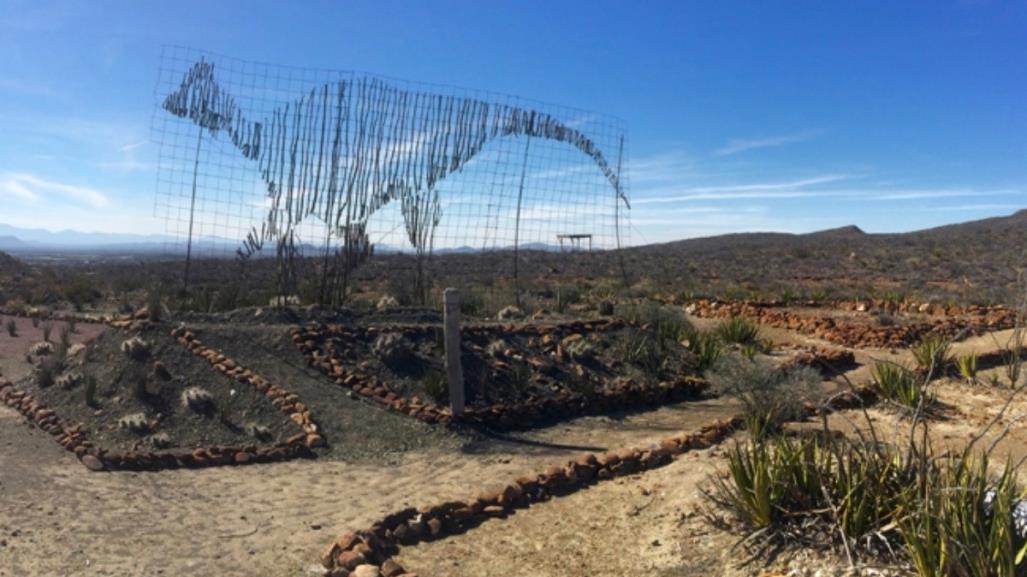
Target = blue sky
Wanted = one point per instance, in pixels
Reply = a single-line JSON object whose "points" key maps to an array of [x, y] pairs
{"points": [[742, 116]]}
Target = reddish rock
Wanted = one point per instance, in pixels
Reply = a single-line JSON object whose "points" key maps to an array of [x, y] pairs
{"points": [[365, 571], [242, 457], [350, 559], [434, 527], [92, 463], [314, 441]]}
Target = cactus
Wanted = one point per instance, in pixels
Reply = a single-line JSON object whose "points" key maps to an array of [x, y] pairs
{"points": [[70, 380], [136, 348], [392, 348], [198, 399], [135, 423], [41, 349], [160, 440]]}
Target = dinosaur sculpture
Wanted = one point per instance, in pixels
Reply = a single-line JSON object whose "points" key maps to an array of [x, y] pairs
{"points": [[347, 148]]}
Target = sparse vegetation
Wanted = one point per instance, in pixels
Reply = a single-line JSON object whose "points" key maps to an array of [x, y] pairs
{"points": [[136, 423], [706, 346], [769, 395], [436, 386], [12, 327]]}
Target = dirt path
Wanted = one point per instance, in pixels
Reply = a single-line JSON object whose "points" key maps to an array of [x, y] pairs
{"points": [[57, 518]]}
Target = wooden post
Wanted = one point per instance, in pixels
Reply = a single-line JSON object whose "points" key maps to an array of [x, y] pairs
{"points": [[454, 370]]}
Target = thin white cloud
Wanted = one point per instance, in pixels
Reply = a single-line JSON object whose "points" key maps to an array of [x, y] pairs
{"points": [[132, 146], [790, 189], [976, 207], [737, 145], [31, 187]]}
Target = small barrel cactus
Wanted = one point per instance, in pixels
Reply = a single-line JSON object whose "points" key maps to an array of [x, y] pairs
{"points": [[160, 440], [70, 380], [135, 348], [257, 431], [198, 399], [41, 349], [387, 302], [579, 349], [392, 348], [135, 423]]}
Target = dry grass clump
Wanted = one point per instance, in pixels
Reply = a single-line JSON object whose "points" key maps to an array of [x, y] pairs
{"points": [[770, 395], [392, 348]]}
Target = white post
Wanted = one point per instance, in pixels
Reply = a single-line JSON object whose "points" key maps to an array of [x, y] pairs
{"points": [[454, 370]]}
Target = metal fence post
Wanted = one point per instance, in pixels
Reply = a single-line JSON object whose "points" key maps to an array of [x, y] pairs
{"points": [[454, 370]]}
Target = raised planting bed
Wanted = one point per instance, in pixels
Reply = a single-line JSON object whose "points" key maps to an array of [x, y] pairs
{"points": [[144, 401], [866, 328], [515, 376]]}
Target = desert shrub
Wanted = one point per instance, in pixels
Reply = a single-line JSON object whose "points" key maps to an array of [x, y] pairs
{"points": [[967, 365], [47, 330], [392, 348], [769, 395], [472, 303], [135, 423], [80, 290], [72, 326], [931, 353], [436, 386], [564, 296], [12, 327], [644, 350], [35, 321], [738, 330], [198, 399], [579, 349], [666, 323], [520, 377], [136, 348]]}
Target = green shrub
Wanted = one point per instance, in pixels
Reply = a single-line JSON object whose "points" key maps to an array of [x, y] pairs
{"points": [[644, 350], [738, 330], [90, 391], [931, 353], [666, 323]]}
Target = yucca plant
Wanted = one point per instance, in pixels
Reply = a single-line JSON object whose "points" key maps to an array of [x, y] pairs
{"points": [[738, 330], [967, 365], [899, 385], [931, 353], [706, 346]]}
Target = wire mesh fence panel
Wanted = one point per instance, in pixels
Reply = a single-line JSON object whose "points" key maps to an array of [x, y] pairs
{"points": [[265, 161]]}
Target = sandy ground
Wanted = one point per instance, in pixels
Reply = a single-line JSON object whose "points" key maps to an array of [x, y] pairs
{"points": [[57, 518]]}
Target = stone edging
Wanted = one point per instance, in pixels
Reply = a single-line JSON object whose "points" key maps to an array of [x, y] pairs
{"points": [[855, 334], [286, 402], [70, 436], [370, 551], [498, 416]]}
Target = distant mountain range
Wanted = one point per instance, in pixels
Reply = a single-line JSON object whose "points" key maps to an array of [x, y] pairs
{"points": [[41, 242]]}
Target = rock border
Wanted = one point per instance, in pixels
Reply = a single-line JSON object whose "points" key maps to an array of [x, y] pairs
{"points": [[374, 547], [284, 400], [70, 435], [857, 335], [501, 416]]}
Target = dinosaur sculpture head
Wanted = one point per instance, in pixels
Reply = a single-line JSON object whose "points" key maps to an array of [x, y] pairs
{"points": [[201, 99]]}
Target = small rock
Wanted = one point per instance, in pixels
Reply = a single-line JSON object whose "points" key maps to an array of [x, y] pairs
{"points": [[92, 463], [365, 571], [510, 312]]}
